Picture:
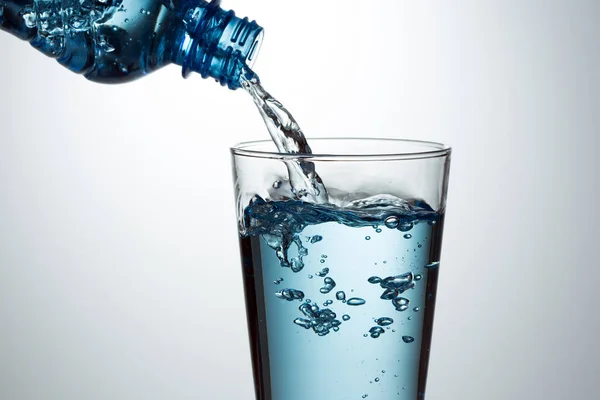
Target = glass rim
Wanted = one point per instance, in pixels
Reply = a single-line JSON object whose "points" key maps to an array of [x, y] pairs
{"points": [[430, 150]]}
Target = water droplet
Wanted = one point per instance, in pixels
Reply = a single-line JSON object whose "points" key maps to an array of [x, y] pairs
{"points": [[392, 222], [340, 295], [433, 265], [290, 294], [277, 184], [355, 301], [408, 339], [345, 317], [376, 379], [374, 279], [367, 237], [407, 236], [384, 321]]}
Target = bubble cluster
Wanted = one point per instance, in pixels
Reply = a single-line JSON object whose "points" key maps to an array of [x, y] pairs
{"points": [[323, 272], [278, 281], [394, 287], [321, 321], [290, 294]]}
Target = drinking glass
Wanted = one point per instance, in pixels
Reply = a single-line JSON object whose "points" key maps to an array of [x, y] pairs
{"points": [[340, 295]]}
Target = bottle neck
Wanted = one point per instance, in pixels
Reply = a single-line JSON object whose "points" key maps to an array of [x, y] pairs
{"points": [[217, 44]]}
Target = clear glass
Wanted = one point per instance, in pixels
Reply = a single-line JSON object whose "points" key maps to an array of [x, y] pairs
{"points": [[340, 296]]}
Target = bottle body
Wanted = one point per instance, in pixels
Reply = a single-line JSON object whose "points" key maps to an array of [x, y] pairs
{"points": [[115, 41]]}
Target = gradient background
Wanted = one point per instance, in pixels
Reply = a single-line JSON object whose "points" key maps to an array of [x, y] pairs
{"points": [[119, 270]]}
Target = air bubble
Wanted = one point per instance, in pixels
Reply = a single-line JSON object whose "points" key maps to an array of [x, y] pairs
{"points": [[376, 331], [405, 226], [384, 321], [378, 230], [316, 238], [376, 379], [418, 277], [401, 303], [392, 222], [408, 339], [322, 261], [277, 184], [341, 296], [278, 281], [399, 282], [290, 294], [389, 294], [374, 279], [329, 285], [323, 272], [355, 301], [345, 317], [416, 309], [407, 236], [367, 237]]}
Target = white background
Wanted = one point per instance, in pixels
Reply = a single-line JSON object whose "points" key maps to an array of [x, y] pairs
{"points": [[119, 269]]}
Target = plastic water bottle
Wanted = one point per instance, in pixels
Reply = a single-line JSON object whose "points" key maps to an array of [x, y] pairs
{"points": [[115, 41]]}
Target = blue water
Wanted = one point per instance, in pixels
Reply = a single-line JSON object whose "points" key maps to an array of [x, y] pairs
{"points": [[340, 300], [116, 41]]}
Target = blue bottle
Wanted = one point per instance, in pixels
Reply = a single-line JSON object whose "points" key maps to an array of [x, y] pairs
{"points": [[115, 41]]}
